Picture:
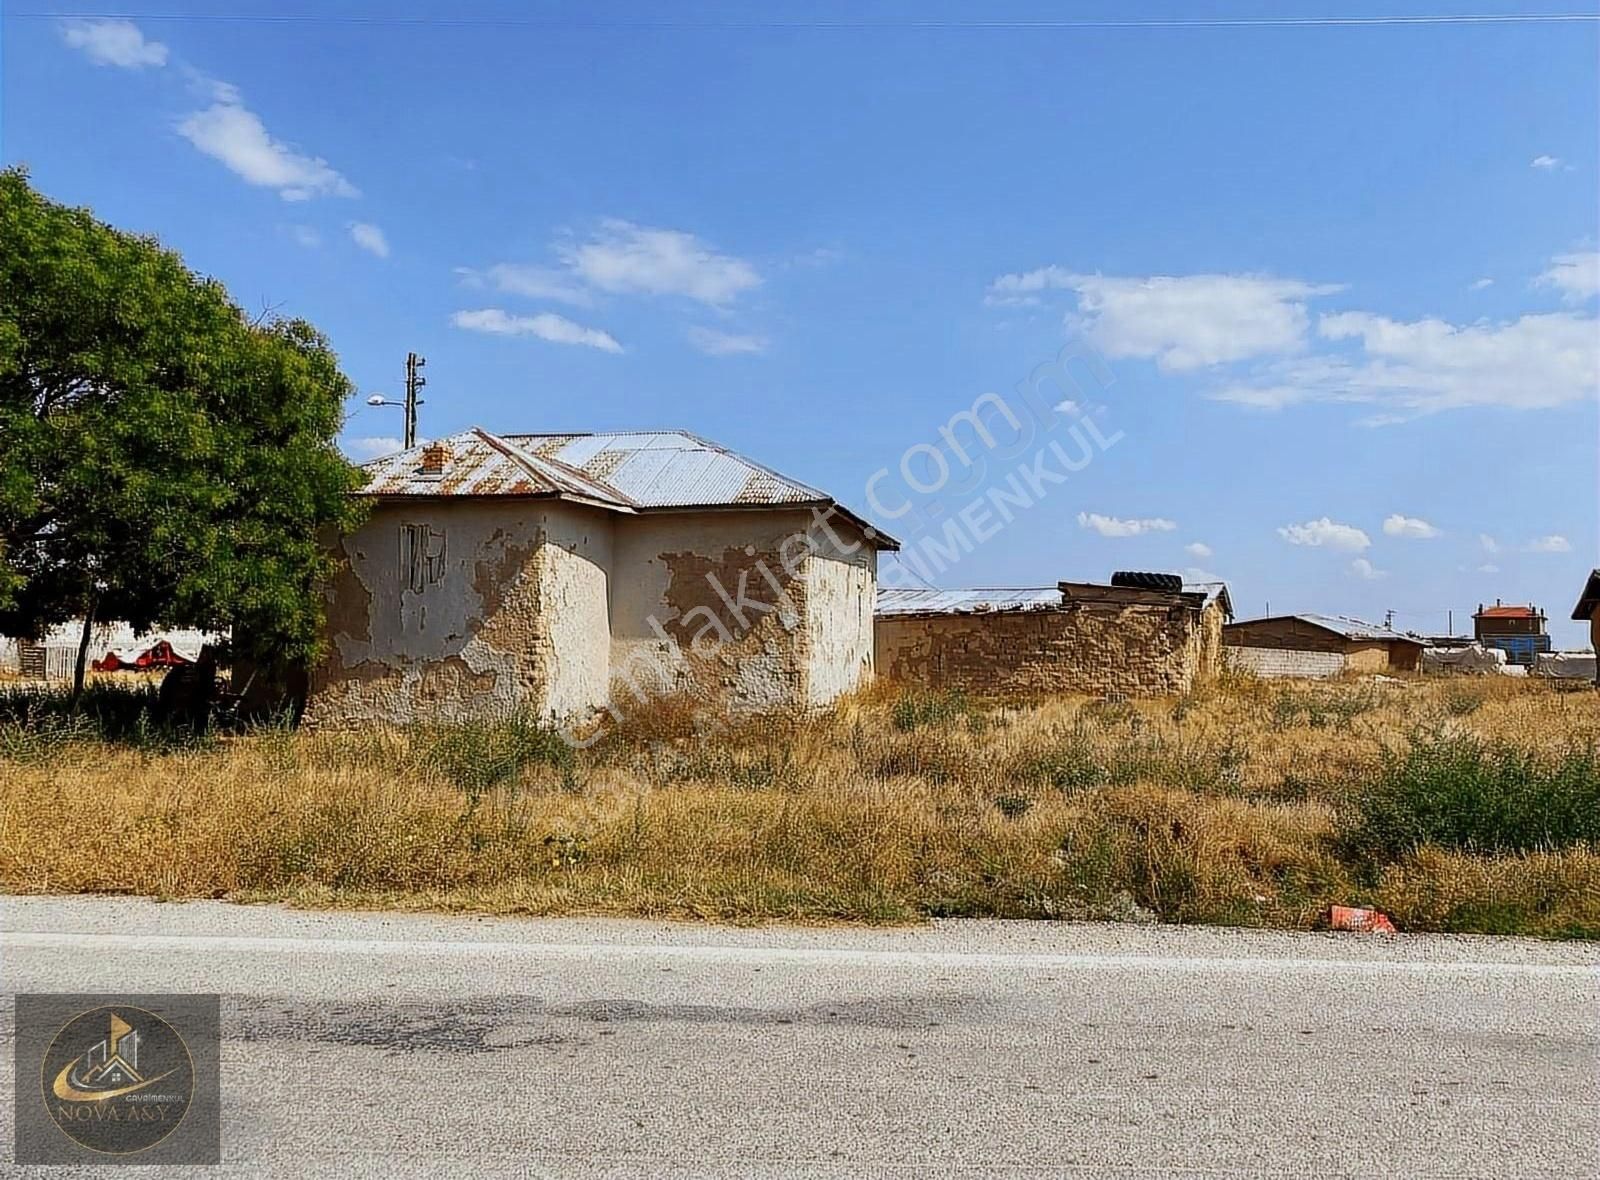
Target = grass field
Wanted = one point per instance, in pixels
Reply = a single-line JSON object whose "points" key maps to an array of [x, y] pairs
{"points": [[1464, 805]]}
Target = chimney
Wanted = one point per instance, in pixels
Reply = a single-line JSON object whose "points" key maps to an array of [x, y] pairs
{"points": [[433, 459]]}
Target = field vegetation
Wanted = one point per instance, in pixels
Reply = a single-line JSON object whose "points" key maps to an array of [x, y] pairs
{"points": [[1457, 805]]}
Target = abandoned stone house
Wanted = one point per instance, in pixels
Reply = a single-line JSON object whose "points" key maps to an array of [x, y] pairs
{"points": [[1315, 646], [1141, 635], [565, 573]]}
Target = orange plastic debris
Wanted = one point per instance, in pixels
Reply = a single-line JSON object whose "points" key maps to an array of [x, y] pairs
{"points": [[1347, 917]]}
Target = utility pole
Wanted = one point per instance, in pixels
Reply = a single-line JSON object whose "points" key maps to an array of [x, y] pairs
{"points": [[1388, 620], [414, 381]]}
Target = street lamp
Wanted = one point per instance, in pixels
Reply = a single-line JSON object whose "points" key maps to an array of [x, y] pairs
{"points": [[414, 381]]}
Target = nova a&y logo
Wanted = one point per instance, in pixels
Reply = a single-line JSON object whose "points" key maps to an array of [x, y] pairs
{"points": [[118, 1080]]}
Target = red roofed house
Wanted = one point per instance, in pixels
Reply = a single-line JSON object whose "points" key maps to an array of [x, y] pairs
{"points": [[1516, 630]]}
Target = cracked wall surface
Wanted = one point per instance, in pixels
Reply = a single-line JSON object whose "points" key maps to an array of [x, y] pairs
{"points": [[444, 609], [1095, 649], [453, 608], [723, 605]]}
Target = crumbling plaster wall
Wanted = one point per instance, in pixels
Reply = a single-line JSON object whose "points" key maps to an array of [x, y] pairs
{"points": [[842, 589], [1098, 649], [739, 608], [447, 609], [1207, 642]]}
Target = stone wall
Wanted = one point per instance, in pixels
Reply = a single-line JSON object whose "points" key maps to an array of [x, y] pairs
{"points": [[1098, 649]]}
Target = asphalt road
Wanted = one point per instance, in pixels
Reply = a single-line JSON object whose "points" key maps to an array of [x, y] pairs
{"points": [[361, 1044]]}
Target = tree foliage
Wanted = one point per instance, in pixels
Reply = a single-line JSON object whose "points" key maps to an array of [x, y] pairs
{"points": [[163, 459]]}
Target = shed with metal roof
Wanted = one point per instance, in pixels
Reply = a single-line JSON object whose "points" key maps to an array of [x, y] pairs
{"points": [[1318, 645], [578, 575]]}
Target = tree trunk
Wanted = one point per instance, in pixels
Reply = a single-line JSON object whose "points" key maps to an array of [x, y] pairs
{"points": [[83, 652]]}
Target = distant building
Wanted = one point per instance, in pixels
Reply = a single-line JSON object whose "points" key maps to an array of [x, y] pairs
{"points": [[1141, 635], [1588, 610], [1516, 630], [1317, 646]]}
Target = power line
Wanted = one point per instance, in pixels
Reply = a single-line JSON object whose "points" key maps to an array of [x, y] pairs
{"points": [[1067, 24], [911, 569]]}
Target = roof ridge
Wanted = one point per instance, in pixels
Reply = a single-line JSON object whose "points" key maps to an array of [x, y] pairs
{"points": [[533, 464]]}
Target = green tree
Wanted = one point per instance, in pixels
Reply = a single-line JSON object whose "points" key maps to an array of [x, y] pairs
{"points": [[164, 459]]}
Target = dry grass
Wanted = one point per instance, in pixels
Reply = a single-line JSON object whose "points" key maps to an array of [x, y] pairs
{"points": [[1247, 804]]}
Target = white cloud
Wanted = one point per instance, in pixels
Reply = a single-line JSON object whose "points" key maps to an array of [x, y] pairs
{"points": [[1111, 526], [554, 328], [532, 282], [1181, 322], [715, 343], [1488, 567], [232, 134], [623, 258], [1408, 526], [1199, 550], [1576, 275], [1193, 574], [1554, 543], [1547, 163], [371, 448], [1490, 545], [1480, 284], [1362, 568], [1326, 532], [114, 43], [305, 235], [209, 89], [370, 238], [1426, 366]]}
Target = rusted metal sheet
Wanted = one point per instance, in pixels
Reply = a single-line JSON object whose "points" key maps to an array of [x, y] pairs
{"points": [[627, 472], [477, 463], [670, 469]]}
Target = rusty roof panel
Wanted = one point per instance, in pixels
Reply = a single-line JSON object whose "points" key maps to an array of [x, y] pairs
{"points": [[472, 468], [672, 469], [624, 471], [479, 464]]}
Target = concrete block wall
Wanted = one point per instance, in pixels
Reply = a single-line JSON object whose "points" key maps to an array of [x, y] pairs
{"points": [[1274, 662]]}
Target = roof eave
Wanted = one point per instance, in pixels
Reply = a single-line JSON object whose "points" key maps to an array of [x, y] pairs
{"points": [[873, 535], [1590, 599], [564, 497]]}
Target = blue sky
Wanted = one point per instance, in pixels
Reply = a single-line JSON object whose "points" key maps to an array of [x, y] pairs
{"points": [[1341, 277]]}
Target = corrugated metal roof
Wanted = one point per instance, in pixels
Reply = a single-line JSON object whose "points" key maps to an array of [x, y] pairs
{"points": [[670, 469], [476, 463], [1355, 628], [1214, 592], [626, 471], [914, 601], [637, 469]]}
